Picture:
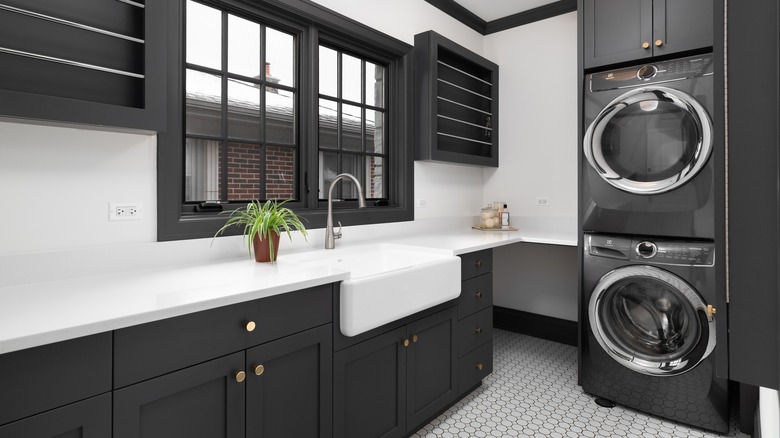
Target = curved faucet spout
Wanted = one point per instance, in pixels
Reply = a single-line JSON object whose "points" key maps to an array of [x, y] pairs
{"points": [[330, 235]]}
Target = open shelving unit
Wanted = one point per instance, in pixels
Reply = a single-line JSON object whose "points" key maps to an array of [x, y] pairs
{"points": [[97, 62], [457, 99]]}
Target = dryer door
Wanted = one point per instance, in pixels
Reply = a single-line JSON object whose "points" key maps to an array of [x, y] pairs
{"points": [[651, 321], [649, 140]]}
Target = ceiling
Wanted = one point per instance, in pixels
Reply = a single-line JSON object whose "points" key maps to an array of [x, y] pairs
{"points": [[489, 16], [490, 10]]}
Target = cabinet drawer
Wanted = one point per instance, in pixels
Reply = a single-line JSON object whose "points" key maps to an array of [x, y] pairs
{"points": [[91, 417], [476, 263], [474, 367], [179, 342], [475, 294], [475, 331], [42, 378]]}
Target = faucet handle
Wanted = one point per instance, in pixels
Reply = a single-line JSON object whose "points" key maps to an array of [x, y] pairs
{"points": [[337, 234]]}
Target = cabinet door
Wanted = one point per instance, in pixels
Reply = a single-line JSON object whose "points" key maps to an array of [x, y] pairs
{"points": [[616, 30], [431, 383], [204, 400], [289, 386], [682, 25], [369, 388], [90, 418]]}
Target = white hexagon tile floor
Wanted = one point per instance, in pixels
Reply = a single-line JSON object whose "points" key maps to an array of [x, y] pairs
{"points": [[533, 392]]}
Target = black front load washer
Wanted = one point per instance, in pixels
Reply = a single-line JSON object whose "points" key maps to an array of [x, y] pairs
{"points": [[649, 338], [647, 167]]}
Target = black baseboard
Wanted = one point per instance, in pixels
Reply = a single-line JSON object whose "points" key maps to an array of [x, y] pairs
{"points": [[540, 326]]}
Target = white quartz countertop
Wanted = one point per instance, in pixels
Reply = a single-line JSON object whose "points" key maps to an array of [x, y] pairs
{"points": [[78, 299]]}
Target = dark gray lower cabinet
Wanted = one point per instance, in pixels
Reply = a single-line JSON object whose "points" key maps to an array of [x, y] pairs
{"points": [[391, 384], [90, 418], [204, 400], [277, 389]]}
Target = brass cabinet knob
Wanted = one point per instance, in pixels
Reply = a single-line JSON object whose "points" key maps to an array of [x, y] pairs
{"points": [[240, 376], [414, 338], [645, 45], [259, 370], [659, 43], [478, 294], [250, 326], [478, 330], [480, 366], [406, 342], [711, 310], [478, 263]]}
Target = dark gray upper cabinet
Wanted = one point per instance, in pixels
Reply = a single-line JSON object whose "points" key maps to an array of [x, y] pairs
{"points": [[617, 31], [457, 101], [90, 62]]}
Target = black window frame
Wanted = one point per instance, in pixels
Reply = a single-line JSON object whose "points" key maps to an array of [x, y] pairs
{"points": [[314, 25]]}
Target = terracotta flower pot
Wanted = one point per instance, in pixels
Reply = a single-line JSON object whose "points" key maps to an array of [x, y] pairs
{"points": [[262, 249]]}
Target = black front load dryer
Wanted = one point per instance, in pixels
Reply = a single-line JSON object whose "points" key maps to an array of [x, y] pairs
{"points": [[649, 338], [647, 166]]}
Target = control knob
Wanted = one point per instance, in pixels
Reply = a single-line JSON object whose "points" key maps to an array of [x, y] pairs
{"points": [[646, 249], [646, 72]]}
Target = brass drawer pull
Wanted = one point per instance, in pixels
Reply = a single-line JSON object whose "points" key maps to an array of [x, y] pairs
{"points": [[478, 294], [478, 330], [480, 366], [478, 263], [250, 326], [406, 342], [414, 338], [259, 370], [240, 376], [659, 43], [645, 45]]}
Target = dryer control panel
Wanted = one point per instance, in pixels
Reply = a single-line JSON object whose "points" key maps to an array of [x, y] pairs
{"points": [[651, 250], [662, 71]]}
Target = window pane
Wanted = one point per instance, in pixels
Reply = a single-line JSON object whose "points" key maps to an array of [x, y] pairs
{"points": [[328, 72], [375, 139], [351, 124], [243, 172], [204, 103], [201, 170], [279, 173], [204, 35], [280, 53], [329, 162], [243, 47], [374, 178], [375, 85], [327, 124], [351, 164], [280, 116], [243, 110], [350, 78]]}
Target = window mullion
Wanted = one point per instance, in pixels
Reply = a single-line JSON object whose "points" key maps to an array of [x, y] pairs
{"points": [[224, 111]]}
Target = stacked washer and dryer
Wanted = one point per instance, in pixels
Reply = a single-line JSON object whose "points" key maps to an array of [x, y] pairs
{"points": [[649, 334]]}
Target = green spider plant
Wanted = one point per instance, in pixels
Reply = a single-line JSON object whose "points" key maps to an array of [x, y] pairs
{"points": [[262, 219]]}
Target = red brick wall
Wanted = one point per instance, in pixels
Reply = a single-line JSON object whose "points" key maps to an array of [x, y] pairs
{"points": [[245, 176]]}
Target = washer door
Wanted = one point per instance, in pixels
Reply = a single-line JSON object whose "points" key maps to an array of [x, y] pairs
{"points": [[649, 140], [651, 321]]}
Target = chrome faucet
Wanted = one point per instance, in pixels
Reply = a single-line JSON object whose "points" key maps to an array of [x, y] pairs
{"points": [[330, 235]]}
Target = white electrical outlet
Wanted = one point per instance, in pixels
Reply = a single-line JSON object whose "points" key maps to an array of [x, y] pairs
{"points": [[125, 211], [422, 203], [542, 201]]}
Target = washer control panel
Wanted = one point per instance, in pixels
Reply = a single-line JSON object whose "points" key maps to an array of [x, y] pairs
{"points": [[651, 250], [662, 71]]}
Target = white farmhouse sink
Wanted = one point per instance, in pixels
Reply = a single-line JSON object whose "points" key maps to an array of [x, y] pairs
{"points": [[387, 281]]}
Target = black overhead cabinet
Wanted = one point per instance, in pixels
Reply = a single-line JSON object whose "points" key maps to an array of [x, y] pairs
{"points": [[617, 31], [457, 102], [96, 62]]}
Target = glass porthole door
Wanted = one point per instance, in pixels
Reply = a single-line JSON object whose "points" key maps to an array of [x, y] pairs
{"points": [[651, 321], [649, 140]]}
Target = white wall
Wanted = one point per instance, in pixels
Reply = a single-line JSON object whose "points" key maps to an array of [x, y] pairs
{"points": [[538, 158], [57, 183]]}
